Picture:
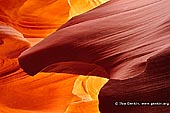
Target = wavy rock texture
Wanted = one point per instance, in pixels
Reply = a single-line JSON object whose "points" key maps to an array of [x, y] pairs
{"points": [[150, 86], [45, 92], [48, 93], [12, 43], [37, 18], [126, 41], [80, 6], [114, 40]]}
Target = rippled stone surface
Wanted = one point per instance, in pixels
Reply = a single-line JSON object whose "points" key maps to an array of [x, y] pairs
{"points": [[126, 41], [37, 18], [12, 43], [151, 86], [45, 92], [118, 40]]}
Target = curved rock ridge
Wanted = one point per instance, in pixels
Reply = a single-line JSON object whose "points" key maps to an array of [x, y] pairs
{"points": [[118, 36], [78, 7], [85, 91], [37, 18], [12, 42], [152, 86], [126, 41], [43, 93]]}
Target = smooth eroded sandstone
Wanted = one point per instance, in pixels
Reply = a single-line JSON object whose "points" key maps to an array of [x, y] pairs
{"points": [[116, 38], [45, 92], [12, 42], [37, 18], [152, 86], [124, 40]]}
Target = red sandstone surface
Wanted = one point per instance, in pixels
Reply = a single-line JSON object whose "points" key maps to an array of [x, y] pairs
{"points": [[125, 41]]}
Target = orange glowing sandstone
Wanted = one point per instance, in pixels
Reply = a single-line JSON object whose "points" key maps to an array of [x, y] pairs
{"points": [[45, 92], [136, 30], [39, 18]]}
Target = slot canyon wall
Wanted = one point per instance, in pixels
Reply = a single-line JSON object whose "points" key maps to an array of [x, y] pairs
{"points": [[70, 56]]}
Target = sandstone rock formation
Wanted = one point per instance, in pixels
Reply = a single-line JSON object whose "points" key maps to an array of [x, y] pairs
{"points": [[151, 86], [126, 41], [12, 43], [118, 37], [39, 18], [21, 93], [117, 41]]}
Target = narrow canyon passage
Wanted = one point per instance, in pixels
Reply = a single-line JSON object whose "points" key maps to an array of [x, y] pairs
{"points": [[88, 56]]}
